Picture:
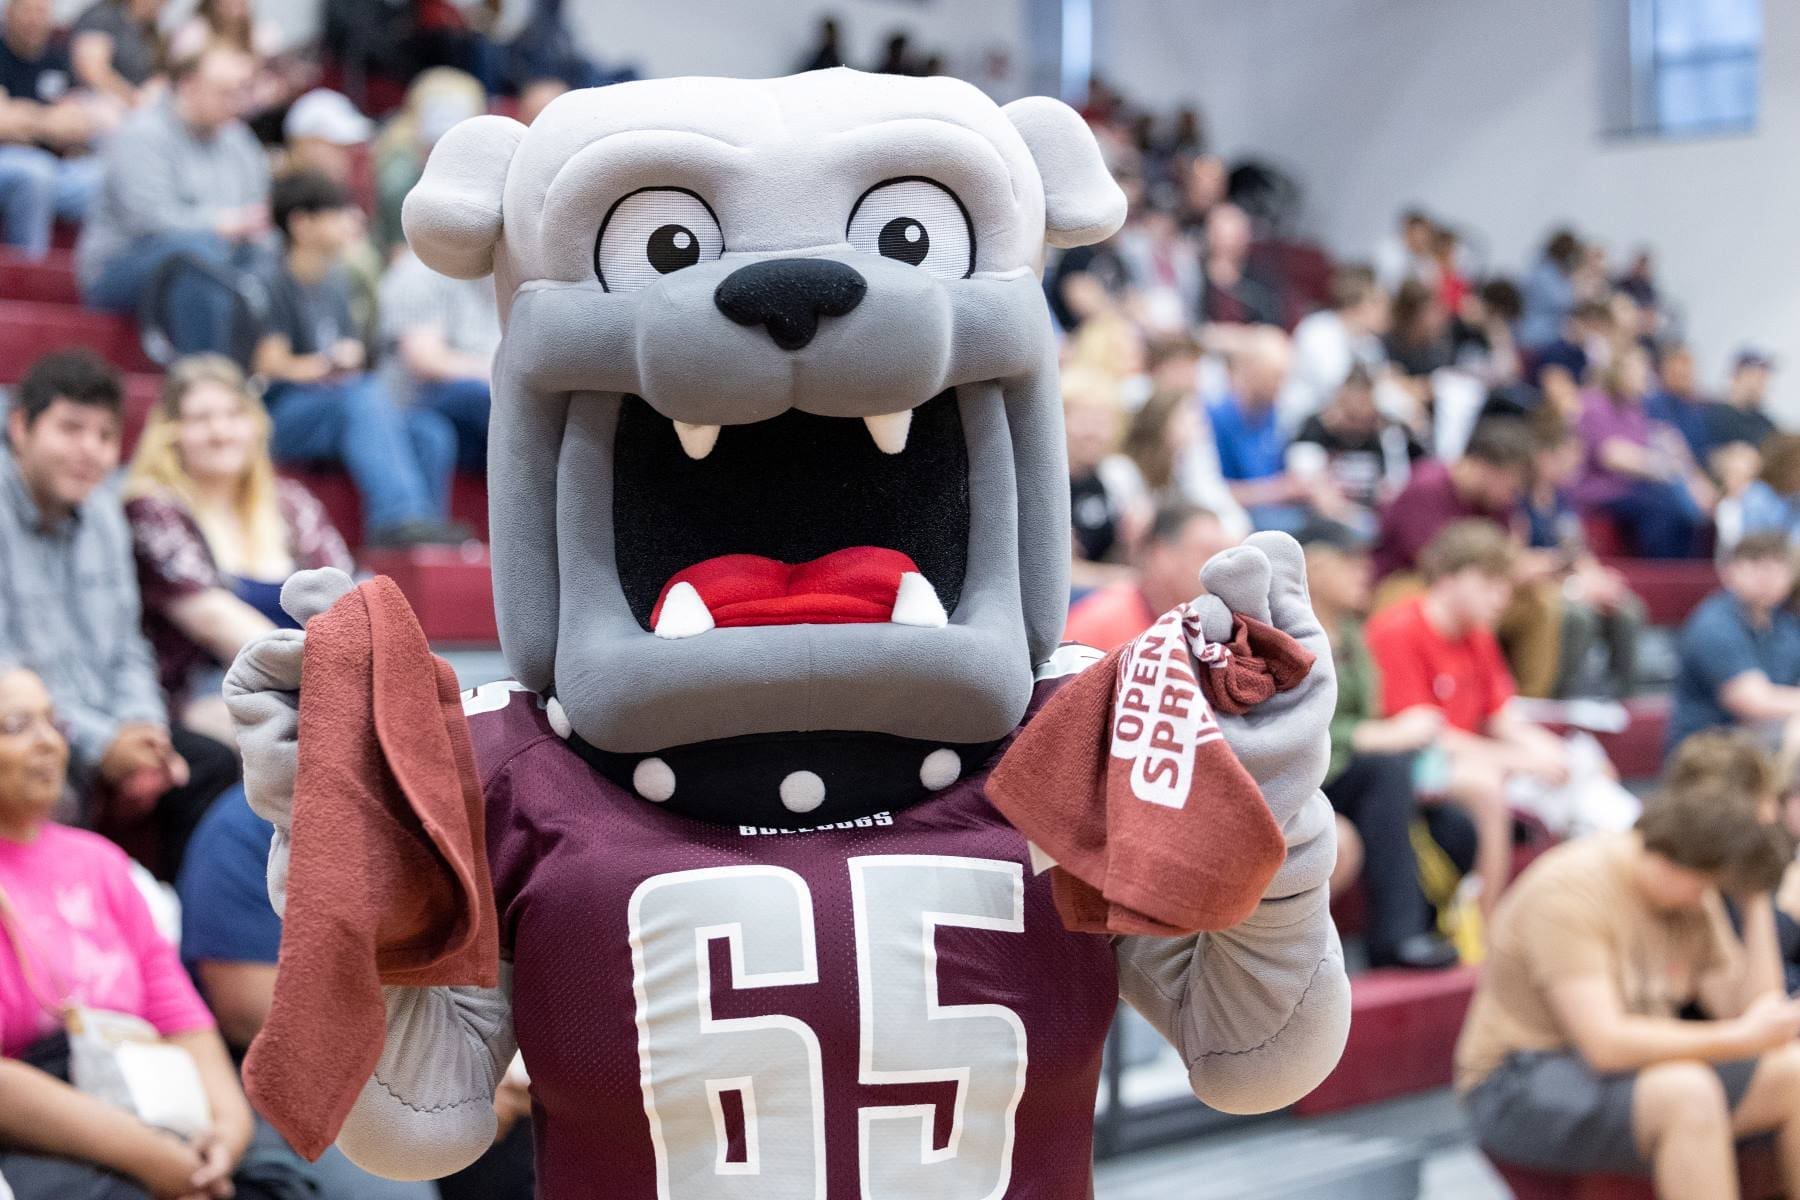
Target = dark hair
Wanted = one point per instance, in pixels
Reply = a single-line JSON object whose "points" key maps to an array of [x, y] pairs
{"points": [[1503, 298], [1549, 430], [1728, 756], [1469, 543], [1351, 284], [1172, 518], [1563, 249], [1502, 442], [1410, 304], [305, 192], [1704, 826], [1761, 546], [78, 376]]}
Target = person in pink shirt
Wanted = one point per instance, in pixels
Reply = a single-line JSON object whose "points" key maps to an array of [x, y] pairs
{"points": [[68, 902]]}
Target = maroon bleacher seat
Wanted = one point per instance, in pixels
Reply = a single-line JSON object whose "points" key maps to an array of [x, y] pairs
{"points": [[50, 280], [30, 328], [1670, 588], [451, 588], [1403, 1028], [1758, 1179]]}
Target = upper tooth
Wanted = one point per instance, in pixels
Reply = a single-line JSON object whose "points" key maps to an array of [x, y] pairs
{"points": [[698, 440], [684, 613], [889, 430], [914, 604]]}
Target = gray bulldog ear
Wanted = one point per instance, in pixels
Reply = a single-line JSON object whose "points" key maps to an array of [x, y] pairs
{"points": [[452, 216], [1082, 204]]}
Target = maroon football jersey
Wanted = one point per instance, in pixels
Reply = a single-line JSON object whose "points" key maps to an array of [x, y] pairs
{"points": [[880, 1009]]}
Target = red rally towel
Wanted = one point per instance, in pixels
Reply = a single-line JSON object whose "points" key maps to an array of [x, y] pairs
{"points": [[389, 877], [1125, 780]]}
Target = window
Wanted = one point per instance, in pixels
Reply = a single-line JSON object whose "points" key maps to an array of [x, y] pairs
{"points": [[1693, 65]]}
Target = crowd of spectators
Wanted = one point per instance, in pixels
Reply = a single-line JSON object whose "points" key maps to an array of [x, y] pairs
{"points": [[1456, 449]]}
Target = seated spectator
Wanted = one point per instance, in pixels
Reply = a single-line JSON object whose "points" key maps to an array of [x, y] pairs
{"points": [[1171, 445], [1332, 342], [1771, 504], [323, 130], [1233, 292], [1168, 560], [1360, 458], [438, 337], [184, 176], [435, 100], [1438, 650], [278, 78], [1677, 399], [1739, 419], [1487, 482], [1481, 335], [1417, 346], [216, 533], [1638, 471], [1576, 1057], [1373, 761], [1252, 447], [1450, 284], [230, 937], [1551, 290], [1162, 269], [1406, 253], [1598, 605], [74, 930], [325, 406], [118, 51], [138, 773], [1107, 501], [1740, 650], [46, 131]]}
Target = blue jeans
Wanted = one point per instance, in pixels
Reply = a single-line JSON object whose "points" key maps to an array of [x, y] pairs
{"points": [[465, 403], [199, 312], [399, 459], [36, 187], [1660, 520]]}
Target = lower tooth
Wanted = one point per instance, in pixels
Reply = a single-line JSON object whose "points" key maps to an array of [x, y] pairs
{"points": [[889, 430], [917, 604], [683, 614]]}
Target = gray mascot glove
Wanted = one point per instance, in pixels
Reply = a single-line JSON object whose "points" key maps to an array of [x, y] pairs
{"points": [[262, 691], [1260, 1011], [428, 1109]]}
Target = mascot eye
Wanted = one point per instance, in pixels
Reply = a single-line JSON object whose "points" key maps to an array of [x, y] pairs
{"points": [[915, 221], [651, 233]]}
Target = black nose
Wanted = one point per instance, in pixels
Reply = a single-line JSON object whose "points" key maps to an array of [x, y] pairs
{"points": [[787, 295]]}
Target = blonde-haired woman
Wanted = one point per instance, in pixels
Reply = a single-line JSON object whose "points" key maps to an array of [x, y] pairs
{"points": [[437, 99], [216, 532]]}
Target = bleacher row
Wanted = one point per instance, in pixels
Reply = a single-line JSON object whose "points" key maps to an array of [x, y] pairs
{"points": [[1404, 1023]]}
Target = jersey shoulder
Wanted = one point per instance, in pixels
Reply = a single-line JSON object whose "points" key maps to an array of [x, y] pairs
{"points": [[505, 718]]}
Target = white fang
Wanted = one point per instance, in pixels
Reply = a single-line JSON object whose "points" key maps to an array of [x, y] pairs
{"points": [[697, 440], [684, 613], [889, 430], [916, 604]]}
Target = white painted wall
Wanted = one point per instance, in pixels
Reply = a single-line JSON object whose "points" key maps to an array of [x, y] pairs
{"points": [[1489, 114]]}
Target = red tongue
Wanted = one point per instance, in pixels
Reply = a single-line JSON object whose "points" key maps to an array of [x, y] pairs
{"points": [[844, 587]]}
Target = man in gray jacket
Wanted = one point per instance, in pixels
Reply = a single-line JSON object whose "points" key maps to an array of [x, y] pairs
{"points": [[182, 176]]}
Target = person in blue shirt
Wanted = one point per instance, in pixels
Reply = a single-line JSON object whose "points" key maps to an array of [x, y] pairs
{"points": [[1677, 399], [1252, 446], [1740, 650], [230, 937]]}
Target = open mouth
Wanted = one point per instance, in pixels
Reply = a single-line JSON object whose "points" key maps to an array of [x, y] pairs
{"points": [[800, 519]]}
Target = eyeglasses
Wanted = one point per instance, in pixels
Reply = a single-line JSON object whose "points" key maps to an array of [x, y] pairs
{"points": [[13, 725]]}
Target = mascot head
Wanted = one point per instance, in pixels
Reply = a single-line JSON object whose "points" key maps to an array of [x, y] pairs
{"points": [[779, 500]]}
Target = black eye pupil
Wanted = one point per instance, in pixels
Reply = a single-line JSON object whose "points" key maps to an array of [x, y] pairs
{"points": [[673, 247], [905, 239]]}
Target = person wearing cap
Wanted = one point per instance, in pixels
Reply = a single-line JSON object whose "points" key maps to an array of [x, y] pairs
{"points": [[1374, 760], [321, 131]]}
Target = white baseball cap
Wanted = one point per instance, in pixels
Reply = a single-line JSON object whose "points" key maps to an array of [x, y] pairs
{"points": [[323, 113]]}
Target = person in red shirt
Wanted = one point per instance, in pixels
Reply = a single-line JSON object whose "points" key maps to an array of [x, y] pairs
{"points": [[1181, 538], [1438, 649]]}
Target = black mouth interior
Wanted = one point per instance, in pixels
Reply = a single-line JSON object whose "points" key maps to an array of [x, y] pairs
{"points": [[792, 488]]}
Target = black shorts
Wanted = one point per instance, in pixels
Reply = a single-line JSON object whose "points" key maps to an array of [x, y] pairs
{"points": [[1552, 1112]]}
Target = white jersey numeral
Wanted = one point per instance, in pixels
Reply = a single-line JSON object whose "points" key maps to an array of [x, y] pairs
{"points": [[689, 1061]]}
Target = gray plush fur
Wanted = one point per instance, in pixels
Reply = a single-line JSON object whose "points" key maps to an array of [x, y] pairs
{"points": [[781, 163]]}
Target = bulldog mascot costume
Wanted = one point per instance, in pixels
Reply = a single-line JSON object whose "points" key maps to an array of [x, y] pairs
{"points": [[815, 870]]}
